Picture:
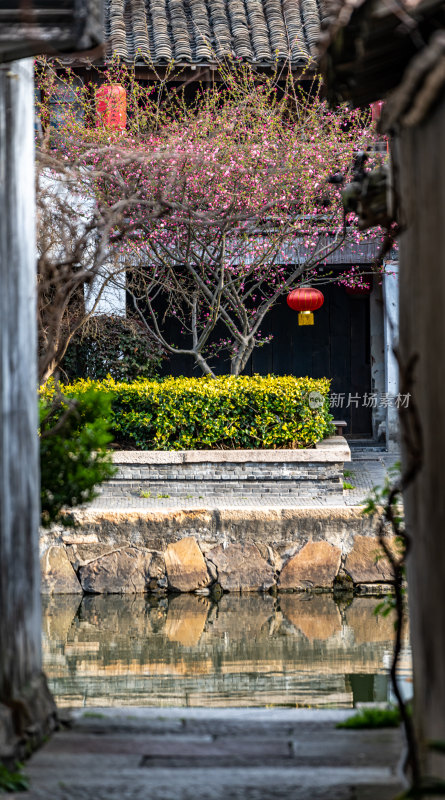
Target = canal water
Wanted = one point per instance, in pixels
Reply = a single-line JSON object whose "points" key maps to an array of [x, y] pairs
{"points": [[183, 650]]}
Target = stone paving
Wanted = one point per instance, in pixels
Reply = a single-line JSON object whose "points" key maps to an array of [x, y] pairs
{"points": [[215, 754], [367, 469]]}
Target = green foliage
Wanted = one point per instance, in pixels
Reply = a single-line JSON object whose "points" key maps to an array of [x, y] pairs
{"points": [[373, 718], [380, 498], [226, 412], [111, 345], [74, 434], [93, 715], [386, 606], [347, 485], [13, 781], [438, 745]]}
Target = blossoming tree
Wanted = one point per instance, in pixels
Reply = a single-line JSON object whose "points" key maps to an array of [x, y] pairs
{"points": [[227, 204]]}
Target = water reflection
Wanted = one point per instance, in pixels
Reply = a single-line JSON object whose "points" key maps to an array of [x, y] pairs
{"points": [[298, 649]]}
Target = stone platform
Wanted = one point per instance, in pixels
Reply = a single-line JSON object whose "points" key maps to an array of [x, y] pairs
{"points": [[215, 754], [254, 475]]}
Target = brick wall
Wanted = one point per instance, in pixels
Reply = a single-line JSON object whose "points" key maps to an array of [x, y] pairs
{"points": [[248, 479]]}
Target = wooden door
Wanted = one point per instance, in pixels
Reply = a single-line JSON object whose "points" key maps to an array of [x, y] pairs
{"points": [[337, 346]]}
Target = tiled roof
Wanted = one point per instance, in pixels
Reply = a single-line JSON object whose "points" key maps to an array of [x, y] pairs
{"points": [[207, 31]]}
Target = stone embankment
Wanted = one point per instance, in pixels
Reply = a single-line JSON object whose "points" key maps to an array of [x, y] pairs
{"points": [[316, 542], [231, 550]]}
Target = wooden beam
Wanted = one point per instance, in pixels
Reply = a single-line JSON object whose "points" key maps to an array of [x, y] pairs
{"points": [[35, 27]]}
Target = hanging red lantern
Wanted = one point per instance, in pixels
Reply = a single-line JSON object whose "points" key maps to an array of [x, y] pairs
{"points": [[305, 301], [376, 110], [111, 102], [376, 113]]}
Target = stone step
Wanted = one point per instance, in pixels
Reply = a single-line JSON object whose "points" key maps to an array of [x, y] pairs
{"points": [[215, 754]]}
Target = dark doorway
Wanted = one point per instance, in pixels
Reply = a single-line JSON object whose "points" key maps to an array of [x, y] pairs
{"points": [[337, 346]]}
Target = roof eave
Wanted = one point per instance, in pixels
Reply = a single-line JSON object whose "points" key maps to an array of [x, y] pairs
{"points": [[366, 48]]}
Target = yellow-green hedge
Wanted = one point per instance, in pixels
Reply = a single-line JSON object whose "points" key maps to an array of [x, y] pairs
{"points": [[204, 413]]}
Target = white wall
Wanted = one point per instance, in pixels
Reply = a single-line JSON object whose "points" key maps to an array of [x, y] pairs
{"points": [[112, 298], [377, 359], [391, 337]]}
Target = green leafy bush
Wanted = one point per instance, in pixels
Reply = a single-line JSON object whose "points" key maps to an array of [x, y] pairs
{"points": [[226, 412], [13, 781], [373, 718], [74, 434], [111, 345]]}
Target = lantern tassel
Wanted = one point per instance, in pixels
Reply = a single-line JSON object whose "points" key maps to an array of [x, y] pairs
{"points": [[305, 318]]}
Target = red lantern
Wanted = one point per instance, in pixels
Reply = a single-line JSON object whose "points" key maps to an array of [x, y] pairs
{"points": [[305, 301], [111, 102], [376, 113], [376, 110]]}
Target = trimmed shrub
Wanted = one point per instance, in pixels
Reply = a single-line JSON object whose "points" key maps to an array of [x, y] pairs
{"points": [[226, 412]]}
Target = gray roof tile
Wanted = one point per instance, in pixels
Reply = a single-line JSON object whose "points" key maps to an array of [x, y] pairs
{"points": [[206, 31]]}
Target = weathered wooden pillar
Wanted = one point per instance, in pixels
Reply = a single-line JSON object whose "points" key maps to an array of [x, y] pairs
{"points": [[25, 703], [420, 166]]}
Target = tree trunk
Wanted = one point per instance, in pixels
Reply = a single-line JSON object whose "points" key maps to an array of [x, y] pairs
{"points": [[239, 361], [24, 698]]}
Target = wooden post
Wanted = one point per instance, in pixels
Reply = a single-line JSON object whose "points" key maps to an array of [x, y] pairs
{"points": [[24, 699], [421, 170]]}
